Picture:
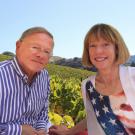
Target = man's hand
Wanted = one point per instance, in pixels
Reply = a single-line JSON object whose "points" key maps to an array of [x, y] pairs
{"points": [[29, 130]]}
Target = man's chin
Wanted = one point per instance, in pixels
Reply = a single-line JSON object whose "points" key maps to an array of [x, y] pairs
{"points": [[38, 69]]}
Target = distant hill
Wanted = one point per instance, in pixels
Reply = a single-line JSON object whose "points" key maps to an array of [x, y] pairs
{"points": [[54, 59], [131, 60], [8, 53], [72, 62]]}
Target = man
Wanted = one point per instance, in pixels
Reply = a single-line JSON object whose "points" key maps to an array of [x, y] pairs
{"points": [[24, 85]]}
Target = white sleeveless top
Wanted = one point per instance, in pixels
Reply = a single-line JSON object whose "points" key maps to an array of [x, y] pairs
{"points": [[127, 77]]}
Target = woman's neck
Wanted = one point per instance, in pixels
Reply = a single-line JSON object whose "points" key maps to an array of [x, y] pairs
{"points": [[109, 75], [108, 81]]}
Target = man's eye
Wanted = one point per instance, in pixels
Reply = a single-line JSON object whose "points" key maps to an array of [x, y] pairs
{"points": [[47, 52], [34, 47]]}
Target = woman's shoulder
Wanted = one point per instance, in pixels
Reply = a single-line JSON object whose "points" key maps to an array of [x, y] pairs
{"points": [[124, 68], [127, 72], [131, 68], [86, 80], [90, 78], [131, 71], [127, 67]]}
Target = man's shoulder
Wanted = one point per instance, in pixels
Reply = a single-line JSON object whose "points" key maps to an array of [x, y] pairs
{"points": [[5, 63], [44, 72]]}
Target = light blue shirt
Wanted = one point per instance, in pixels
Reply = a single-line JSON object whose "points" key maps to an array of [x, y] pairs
{"points": [[20, 102]]}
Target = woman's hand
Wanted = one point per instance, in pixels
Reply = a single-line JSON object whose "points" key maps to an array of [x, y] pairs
{"points": [[41, 132], [59, 130]]}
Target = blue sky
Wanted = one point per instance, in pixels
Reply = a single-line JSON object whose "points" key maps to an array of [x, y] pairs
{"points": [[67, 20]]}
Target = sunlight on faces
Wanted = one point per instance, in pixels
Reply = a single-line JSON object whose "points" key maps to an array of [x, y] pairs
{"points": [[34, 51], [101, 52]]}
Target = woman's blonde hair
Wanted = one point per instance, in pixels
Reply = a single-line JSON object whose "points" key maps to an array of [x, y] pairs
{"points": [[110, 34]]}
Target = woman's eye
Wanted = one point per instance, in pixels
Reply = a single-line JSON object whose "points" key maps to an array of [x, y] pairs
{"points": [[90, 46], [106, 44]]}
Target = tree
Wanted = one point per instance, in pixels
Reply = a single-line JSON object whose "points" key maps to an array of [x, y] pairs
{"points": [[8, 53]]}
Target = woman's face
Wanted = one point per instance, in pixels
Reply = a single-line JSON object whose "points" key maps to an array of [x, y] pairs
{"points": [[102, 53]]}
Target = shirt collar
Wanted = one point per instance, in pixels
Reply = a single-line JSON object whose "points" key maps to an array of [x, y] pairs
{"points": [[18, 70]]}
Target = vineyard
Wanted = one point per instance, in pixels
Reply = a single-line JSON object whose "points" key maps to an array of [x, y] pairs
{"points": [[66, 103], [66, 99]]}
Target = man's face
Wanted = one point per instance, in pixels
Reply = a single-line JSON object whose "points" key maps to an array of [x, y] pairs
{"points": [[33, 52]]}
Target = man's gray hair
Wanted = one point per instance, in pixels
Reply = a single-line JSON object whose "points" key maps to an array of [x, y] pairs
{"points": [[34, 30]]}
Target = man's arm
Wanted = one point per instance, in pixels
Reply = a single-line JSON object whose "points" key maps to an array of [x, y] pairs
{"points": [[10, 128], [16, 129], [43, 115]]}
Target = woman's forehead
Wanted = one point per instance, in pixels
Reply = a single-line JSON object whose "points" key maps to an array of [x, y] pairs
{"points": [[97, 36]]}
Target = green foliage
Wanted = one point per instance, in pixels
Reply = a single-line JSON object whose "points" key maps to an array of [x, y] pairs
{"points": [[66, 98], [68, 72], [80, 115], [59, 120], [68, 121], [55, 118], [4, 57]]}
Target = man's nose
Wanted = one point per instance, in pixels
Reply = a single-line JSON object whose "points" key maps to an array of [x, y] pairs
{"points": [[40, 54]]}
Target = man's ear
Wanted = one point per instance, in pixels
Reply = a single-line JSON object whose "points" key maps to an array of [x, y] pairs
{"points": [[18, 43]]}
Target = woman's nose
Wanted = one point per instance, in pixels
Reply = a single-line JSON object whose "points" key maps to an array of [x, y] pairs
{"points": [[99, 49]]}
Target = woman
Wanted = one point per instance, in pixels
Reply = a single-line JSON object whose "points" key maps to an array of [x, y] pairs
{"points": [[109, 95]]}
